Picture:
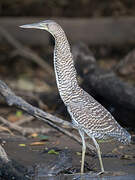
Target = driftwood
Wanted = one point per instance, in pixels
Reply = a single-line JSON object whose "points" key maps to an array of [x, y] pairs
{"points": [[102, 83], [24, 130], [51, 120]]}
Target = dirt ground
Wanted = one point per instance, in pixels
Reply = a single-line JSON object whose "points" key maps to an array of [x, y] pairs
{"points": [[117, 158]]}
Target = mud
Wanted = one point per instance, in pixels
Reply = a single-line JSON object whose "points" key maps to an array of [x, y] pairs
{"points": [[119, 160]]}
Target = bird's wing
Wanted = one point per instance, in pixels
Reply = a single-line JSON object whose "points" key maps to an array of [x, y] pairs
{"points": [[91, 116]]}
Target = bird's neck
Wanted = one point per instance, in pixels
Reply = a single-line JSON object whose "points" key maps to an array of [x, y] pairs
{"points": [[64, 68]]}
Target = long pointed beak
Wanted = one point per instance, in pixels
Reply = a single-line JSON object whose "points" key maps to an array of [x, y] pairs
{"points": [[27, 26], [34, 25]]}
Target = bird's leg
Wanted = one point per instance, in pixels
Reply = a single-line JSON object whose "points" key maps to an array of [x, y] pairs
{"points": [[83, 150], [99, 155]]}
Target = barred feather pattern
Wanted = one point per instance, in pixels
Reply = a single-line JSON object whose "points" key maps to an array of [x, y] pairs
{"points": [[86, 113], [64, 67], [90, 116]]}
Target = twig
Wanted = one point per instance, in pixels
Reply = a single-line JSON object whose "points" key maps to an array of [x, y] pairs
{"points": [[25, 52], [23, 130], [5, 129], [12, 99], [24, 120]]}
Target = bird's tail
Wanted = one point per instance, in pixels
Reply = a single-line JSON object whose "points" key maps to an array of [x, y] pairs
{"points": [[120, 134], [123, 136], [126, 137]]}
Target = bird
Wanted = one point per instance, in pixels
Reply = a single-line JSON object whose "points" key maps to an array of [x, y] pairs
{"points": [[87, 114]]}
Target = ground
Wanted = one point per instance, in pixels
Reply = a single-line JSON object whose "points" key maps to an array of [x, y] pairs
{"points": [[117, 158]]}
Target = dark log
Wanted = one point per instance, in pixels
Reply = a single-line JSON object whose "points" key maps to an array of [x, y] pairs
{"points": [[104, 84], [17, 101]]}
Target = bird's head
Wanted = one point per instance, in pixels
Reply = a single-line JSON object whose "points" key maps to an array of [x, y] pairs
{"points": [[48, 25]]}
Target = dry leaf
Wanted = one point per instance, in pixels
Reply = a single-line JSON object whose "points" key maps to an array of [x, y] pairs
{"points": [[37, 143], [13, 118], [34, 135]]}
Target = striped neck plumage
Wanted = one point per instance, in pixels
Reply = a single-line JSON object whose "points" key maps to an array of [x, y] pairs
{"points": [[64, 67]]}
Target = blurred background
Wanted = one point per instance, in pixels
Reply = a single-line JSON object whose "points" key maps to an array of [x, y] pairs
{"points": [[102, 39], [102, 30], [66, 8], [105, 27]]}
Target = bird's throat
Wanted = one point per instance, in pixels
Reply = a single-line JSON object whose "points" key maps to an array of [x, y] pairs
{"points": [[64, 69]]}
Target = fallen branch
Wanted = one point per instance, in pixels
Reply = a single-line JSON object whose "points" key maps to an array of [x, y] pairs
{"points": [[24, 130], [12, 99], [17, 101], [5, 129], [24, 120]]}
